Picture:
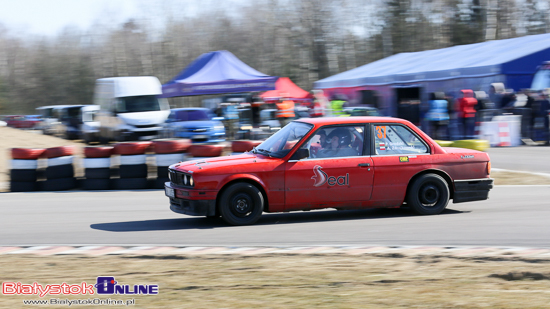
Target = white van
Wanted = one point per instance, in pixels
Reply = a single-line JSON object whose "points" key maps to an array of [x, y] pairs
{"points": [[130, 108], [89, 129]]}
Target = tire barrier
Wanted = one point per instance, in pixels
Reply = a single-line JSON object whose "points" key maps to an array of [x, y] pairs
{"points": [[56, 152], [243, 145], [134, 148], [100, 173], [129, 183], [206, 150], [168, 152], [98, 152], [59, 170], [475, 144], [26, 153], [444, 143], [24, 169], [171, 146], [133, 168], [97, 168]]}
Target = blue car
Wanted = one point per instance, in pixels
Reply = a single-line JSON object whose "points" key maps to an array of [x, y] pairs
{"points": [[196, 124]]}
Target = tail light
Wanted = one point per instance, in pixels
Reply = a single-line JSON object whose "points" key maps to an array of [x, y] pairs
{"points": [[489, 168]]}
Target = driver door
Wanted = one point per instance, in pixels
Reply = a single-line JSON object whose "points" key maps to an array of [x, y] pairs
{"points": [[314, 182]]}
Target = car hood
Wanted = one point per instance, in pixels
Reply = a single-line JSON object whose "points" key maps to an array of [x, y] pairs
{"points": [[218, 163], [144, 118]]}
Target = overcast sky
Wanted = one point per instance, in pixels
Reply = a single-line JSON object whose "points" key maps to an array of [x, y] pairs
{"points": [[48, 17]]}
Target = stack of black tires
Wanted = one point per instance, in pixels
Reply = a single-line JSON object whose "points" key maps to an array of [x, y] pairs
{"points": [[133, 171], [24, 169], [60, 169], [97, 168], [168, 152]]}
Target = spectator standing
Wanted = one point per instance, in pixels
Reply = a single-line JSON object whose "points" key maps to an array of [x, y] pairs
{"points": [[466, 112], [285, 110], [337, 106], [496, 92], [438, 114]]}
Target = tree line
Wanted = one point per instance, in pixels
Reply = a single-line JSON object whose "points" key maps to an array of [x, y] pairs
{"points": [[305, 40]]}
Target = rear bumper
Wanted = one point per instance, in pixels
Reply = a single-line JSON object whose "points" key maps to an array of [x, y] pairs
{"points": [[472, 190]]}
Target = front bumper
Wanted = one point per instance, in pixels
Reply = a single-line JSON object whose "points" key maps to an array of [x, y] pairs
{"points": [[192, 207], [472, 190]]}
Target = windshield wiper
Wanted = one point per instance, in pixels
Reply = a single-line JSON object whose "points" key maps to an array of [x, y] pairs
{"points": [[260, 150]]}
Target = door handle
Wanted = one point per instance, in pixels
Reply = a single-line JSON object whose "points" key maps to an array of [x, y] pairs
{"points": [[363, 164]]}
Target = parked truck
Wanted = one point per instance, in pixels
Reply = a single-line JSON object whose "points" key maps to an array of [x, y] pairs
{"points": [[130, 108]]}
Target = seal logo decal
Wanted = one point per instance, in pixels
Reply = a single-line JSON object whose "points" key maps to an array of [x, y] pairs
{"points": [[320, 177]]}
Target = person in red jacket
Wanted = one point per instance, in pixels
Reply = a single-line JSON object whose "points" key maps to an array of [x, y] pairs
{"points": [[466, 112]]}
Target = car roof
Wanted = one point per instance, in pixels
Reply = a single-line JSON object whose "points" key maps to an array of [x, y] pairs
{"points": [[344, 120]]}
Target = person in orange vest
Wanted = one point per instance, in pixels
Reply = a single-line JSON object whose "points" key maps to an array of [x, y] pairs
{"points": [[285, 110]]}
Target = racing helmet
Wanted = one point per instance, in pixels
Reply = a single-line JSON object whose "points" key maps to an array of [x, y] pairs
{"points": [[344, 136]]}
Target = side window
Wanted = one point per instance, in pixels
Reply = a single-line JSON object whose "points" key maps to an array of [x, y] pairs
{"points": [[335, 142], [396, 139]]}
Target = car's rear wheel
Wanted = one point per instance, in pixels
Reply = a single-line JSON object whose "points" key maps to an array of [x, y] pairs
{"points": [[241, 204], [428, 195]]}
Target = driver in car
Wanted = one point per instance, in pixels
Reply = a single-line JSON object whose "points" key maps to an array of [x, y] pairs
{"points": [[338, 145]]}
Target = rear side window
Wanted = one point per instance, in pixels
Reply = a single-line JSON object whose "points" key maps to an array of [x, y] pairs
{"points": [[397, 139]]}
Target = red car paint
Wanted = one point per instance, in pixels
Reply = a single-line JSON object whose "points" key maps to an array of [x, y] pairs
{"points": [[379, 174]]}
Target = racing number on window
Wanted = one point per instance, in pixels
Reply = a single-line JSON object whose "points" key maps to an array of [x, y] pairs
{"points": [[380, 131]]}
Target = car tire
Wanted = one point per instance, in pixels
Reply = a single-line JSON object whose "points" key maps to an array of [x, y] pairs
{"points": [[23, 175], [61, 151], [206, 150], [241, 204], [97, 173], [428, 195], [59, 184], [129, 183], [26, 153], [59, 171], [98, 152], [135, 148], [243, 146], [162, 172], [133, 171], [159, 183], [171, 146], [96, 184], [23, 186]]}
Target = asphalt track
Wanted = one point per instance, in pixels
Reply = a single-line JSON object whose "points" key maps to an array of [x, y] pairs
{"points": [[523, 158], [514, 216]]}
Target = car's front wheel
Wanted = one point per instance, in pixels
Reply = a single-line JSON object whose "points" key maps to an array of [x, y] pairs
{"points": [[428, 195], [241, 204]]}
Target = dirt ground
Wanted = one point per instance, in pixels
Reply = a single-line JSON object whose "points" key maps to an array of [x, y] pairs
{"points": [[294, 281], [12, 138]]}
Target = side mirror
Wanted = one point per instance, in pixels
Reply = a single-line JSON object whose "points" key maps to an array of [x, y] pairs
{"points": [[300, 154]]}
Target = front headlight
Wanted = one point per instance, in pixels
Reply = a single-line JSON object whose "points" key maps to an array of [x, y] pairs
{"points": [[218, 128], [191, 182]]}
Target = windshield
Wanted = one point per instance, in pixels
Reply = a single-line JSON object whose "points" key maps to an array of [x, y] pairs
{"points": [[190, 115], [280, 143], [145, 103], [541, 80]]}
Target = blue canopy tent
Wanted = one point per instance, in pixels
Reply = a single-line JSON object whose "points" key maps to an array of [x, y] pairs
{"points": [[215, 73], [474, 66]]}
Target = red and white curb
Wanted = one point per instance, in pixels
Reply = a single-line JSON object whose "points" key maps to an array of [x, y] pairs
{"points": [[471, 251]]}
